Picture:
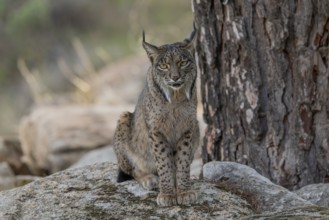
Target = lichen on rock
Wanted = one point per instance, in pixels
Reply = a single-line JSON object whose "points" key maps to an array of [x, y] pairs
{"points": [[91, 192]]}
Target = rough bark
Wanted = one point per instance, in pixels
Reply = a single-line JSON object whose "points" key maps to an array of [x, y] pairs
{"points": [[264, 82]]}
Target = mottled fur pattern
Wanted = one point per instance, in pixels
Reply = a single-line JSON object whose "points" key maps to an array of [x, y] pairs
{"points": [[156, 144]]}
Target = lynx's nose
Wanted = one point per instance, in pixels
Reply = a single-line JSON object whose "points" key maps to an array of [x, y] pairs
{"points": [[175, 78]]}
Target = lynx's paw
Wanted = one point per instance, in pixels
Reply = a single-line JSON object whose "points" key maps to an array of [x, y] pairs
{"points": [[187, 197], [166, 199], [150, 182]]}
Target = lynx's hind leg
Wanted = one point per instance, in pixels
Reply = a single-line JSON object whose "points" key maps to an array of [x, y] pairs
{"points": [[121, 141]]}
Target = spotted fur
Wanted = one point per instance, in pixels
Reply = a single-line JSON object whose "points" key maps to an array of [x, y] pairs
{"points": [[155, 144]]}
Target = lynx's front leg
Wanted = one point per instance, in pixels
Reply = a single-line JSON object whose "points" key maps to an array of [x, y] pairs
{"points": [[165, 166], [184, 156]]}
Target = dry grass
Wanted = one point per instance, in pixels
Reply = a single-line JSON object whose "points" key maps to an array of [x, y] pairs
{"points": [[39, 91], [81, 92]]}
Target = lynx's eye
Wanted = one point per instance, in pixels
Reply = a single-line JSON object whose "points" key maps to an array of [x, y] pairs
{"points": [[183, 63], [163, 66]]}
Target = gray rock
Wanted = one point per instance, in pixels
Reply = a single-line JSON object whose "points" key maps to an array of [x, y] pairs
{"points": [[120, 83], [5, 170], [8, 180], [298, 213], [6, 176], [53, 138], [7, 183], [263, 195], [316, 193], [105, 154], [91, 192], [11, 152]]}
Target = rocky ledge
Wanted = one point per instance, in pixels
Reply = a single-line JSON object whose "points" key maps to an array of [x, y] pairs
{"points": [[91, 192]]}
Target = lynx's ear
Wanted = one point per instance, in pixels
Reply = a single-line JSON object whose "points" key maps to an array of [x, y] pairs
{"points": [[150, 49], [190, 41]]}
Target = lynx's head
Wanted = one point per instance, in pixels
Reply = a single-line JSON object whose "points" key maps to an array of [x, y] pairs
{"points": [[173, 66]]}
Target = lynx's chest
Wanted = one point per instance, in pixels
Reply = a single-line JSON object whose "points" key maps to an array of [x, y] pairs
{"points": [[174, 121]]}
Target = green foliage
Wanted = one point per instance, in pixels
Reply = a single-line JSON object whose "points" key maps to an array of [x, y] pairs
{"points": [[32, 16], [3, 73], [3, 6], [41, 33]]}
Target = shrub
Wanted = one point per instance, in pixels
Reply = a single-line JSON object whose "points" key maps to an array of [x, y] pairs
{"points": [[33, 15]]}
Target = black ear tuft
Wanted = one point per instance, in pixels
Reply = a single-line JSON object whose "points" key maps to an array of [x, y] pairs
{"points": [[151, 50], [143, 36], [122, 176], [190, 41], [193, 34]]}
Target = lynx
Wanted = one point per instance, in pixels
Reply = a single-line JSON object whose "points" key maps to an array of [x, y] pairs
{"points": [[156, 143]]}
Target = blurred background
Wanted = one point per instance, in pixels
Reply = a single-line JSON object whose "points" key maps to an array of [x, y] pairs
{"points": [[50, 50]]}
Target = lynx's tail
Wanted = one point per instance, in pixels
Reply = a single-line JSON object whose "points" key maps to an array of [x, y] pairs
{"points": [[122, 176]]}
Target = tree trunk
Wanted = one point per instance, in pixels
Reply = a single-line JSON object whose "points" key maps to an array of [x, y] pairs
{"points": [[264, 83]]}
